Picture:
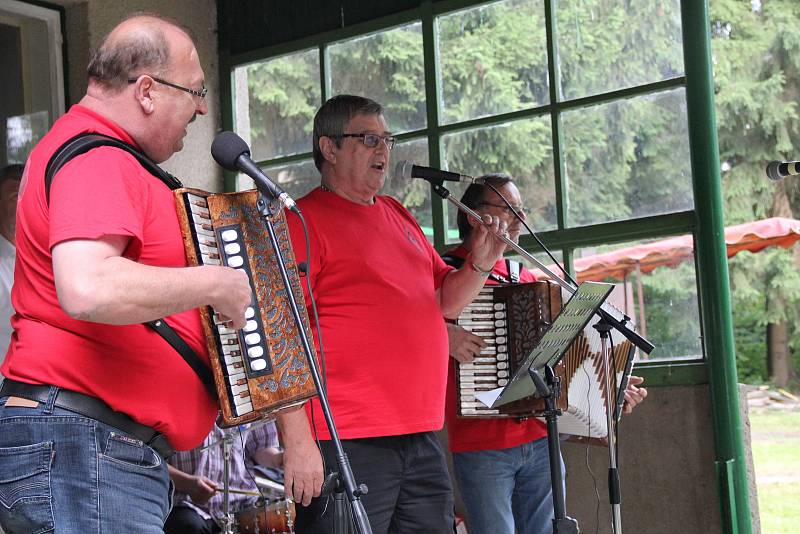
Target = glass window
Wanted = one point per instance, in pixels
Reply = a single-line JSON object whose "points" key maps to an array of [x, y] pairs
{"points": [[493, 59], [275, 104], [522, 149], [659, 290], [628, 158], [387, 67], [614, 45], [32, 83], [297, 179], [414, 194]]}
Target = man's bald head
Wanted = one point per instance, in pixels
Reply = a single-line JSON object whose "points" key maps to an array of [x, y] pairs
{"points": [[142, 43]]}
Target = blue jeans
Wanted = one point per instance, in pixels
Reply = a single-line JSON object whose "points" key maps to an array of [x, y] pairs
{"points": [[505, 489], [66, 473]]}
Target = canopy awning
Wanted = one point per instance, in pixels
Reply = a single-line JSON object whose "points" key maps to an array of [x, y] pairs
{"points": [[752, 236]]}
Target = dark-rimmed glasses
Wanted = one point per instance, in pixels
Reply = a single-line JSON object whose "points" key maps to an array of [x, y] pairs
{"points": [[201, 93], [519, 209], [371, 140]]}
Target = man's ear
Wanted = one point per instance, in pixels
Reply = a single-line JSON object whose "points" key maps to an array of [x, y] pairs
{"points": [[328, 148], [143, 93]]}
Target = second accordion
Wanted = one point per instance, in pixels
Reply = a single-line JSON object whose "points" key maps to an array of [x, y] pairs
{"points": [[511, 319]]}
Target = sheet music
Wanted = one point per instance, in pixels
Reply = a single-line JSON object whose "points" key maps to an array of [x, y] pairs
{"points": [[570, 322]]}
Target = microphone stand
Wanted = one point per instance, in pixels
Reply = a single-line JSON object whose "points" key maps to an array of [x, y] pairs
{"points": [[267, 211], [608, 320], [227, 519], [549, 388]]}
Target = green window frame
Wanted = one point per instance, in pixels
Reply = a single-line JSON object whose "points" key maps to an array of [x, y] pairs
{"points": [[704, 222]]}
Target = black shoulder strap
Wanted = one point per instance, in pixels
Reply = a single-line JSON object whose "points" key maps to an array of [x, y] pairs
{"points": [[84, 142], [177, 342], [453, 261]]}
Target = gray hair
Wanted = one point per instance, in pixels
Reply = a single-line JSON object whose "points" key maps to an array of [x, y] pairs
{"points": [[334, 115]]}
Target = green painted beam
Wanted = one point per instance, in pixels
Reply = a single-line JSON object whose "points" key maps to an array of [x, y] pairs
{"points": [[615, 232], [712, 269], [670, 373]]}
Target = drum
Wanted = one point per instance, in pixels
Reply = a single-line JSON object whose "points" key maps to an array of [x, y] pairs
{"points": [[266, 517]]}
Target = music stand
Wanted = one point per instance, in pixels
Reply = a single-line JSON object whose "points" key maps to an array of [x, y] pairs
{"points": [[527, 381]]}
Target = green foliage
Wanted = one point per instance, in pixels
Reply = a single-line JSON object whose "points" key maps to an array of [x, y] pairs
{"points": [[756, 60], [628, 158]]}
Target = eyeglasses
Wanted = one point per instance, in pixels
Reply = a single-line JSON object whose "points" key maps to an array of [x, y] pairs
{"points": [[201, 93], [519, 209], [371, 140]]}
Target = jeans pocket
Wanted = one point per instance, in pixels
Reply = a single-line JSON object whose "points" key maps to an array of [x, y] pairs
{"points": [[25, 497], [125, 450]]}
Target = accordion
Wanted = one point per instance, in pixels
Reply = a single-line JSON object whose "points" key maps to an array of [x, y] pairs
{"points": [[261, 368], [511, 319]]}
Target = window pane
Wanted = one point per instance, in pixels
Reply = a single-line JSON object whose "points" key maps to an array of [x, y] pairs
{"points": [[612, 45], [297, 179], [493, 59], [32, 85], [414, 194], [275, 104], [628, 159], [386, 67], [521, 149], [658, 291]]}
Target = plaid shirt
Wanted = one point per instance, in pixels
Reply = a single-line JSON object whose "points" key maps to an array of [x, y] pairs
{"points": [[210, 464]]}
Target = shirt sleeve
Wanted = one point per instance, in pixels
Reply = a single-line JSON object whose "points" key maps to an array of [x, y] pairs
{"points": [[260, 436], [100, 193]]}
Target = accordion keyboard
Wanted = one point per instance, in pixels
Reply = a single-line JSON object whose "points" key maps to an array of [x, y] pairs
{"points": [[243, 351]]}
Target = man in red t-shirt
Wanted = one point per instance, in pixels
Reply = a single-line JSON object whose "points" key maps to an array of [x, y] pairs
{"points": [[93, 396], [501, 465], [381, 290]]}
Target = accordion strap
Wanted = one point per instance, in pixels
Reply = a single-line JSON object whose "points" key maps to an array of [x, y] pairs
{"points": [[513, 268], [190, 356], [84, 142]]}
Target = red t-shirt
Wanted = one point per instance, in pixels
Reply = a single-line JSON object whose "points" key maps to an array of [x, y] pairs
{"points": [[100, 193], [375, 277], [473, 434]]}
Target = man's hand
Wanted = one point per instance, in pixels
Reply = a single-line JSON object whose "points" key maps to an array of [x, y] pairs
{"points": [[302, 471], [233, 297], [487, 248], [464, 346], [201, 489], [633, 394], [302, 462]]}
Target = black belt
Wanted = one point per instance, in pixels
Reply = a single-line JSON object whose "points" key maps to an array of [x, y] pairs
{"points": [[91, 407]]}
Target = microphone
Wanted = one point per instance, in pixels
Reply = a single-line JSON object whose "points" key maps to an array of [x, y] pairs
{"points": [[232, 153], [778, 170], [407, 169]]}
